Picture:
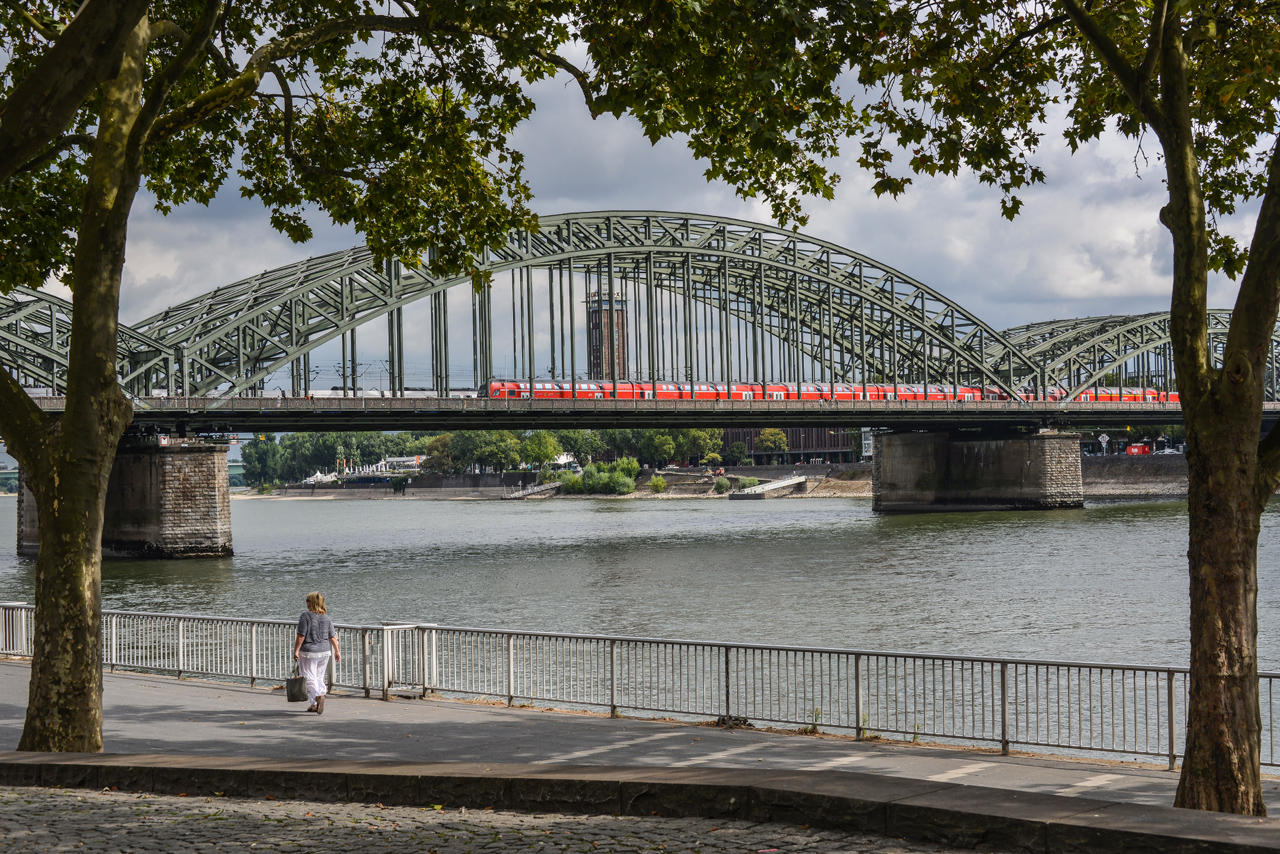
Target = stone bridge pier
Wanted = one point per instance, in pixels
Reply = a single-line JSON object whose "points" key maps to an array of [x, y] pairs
{"points": [[938, 471], [166, 498]]}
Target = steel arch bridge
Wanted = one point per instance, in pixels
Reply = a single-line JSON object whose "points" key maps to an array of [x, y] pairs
{"points": [[672, 296]]}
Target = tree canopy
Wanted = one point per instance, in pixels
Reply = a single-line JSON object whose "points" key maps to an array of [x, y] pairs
{"points": [[394, 118], [951, 86]]}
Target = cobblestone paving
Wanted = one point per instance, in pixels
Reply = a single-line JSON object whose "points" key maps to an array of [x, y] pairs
{"points": [[38, 820]]}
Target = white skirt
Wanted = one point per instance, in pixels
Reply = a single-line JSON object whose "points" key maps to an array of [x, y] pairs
{"points": [[314, 667]]}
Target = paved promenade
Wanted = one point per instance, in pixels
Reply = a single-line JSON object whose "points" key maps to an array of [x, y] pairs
{"points": [[686, 787]]}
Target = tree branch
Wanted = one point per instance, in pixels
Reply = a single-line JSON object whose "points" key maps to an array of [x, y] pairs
{"points": [[163, 84], [1155, 42], [46, 32], [21, 421], [1257, 305], [44, 102], [71, 140], [1019, 38], [247, 80], [1111, 56], [583, 80]]}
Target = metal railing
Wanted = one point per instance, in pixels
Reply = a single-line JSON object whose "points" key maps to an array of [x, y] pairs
{"points": [[1078, 708]]}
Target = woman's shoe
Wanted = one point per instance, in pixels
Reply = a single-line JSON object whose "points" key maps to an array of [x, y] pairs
{"points": [[311, 708], [320, 705]]}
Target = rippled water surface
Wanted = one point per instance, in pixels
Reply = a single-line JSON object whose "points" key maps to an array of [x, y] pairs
{"points": [[1107, 583]]}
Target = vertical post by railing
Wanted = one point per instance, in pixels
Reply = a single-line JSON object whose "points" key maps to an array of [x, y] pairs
{"points": [[728, 709], [253, 654], [387, 663], [1004, 708], [182, 659], [366, 659], [511, 669], [114, 652], [613, 679], [857, 695], [435, 660], [1173, 749], [424, 651]]}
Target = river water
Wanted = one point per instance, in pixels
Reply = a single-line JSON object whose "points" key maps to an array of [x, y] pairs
{"points": [[1103, 584]]}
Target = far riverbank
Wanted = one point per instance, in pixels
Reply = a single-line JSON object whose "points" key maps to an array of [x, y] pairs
{"points": [[1110, 477]]}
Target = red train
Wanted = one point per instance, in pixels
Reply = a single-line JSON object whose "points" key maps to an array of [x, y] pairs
{"points": [[588, 389]]}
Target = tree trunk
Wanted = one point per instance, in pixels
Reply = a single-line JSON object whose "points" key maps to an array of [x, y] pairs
{"points": [[1221, 768], [72, 464], [64, 703]]}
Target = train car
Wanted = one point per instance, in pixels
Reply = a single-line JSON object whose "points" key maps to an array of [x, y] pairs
{"points": [[626, 390]]}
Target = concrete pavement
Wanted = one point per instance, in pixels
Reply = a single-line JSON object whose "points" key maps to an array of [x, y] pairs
{"points": [[164, 735]]}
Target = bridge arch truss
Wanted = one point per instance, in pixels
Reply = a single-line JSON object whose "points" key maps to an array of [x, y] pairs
{"points": [[641, 295]]}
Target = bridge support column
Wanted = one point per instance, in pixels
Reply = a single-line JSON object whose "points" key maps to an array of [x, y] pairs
{"points": [[931, 472], [163, 501]]}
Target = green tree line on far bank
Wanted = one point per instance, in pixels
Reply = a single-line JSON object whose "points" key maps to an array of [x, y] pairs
{"points": [[296, 456]]}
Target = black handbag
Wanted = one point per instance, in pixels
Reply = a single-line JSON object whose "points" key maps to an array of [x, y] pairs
{"points": [[295, 687]]}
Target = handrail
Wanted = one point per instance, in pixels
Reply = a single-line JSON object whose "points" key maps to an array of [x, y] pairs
{"points": [[1079, 707]]}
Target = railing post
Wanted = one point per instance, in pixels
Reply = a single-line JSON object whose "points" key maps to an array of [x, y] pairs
{"points": [[613, 679], [857, 695], [114, 651], [366, 656], [1004, 708], [511, 669], [423, 653], [1173, 750], [435, 659], [387, 663], [728, 709], [181, 648], [253, 654]]}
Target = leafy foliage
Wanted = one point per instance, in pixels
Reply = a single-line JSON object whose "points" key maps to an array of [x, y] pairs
{"points": [[771, 440], [399, 123]]}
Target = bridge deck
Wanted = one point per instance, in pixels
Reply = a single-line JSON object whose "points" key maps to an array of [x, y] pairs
{"points": [[391, 413]]}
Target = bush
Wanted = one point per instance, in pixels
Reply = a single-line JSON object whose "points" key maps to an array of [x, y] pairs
{"points": [[712, 459], [722, 485], [627, 466], [748, 482], [657, 483], [572, 484], [620, 484]]}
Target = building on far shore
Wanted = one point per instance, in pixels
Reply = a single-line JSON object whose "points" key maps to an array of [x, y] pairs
{"points": [[804, 444]]}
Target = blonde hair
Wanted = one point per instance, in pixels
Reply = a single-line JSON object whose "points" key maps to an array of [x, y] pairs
{"points": [[315, 602]]}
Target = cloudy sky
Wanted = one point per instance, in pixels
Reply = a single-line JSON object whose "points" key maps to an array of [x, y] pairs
{"points": [[1087, 243]]}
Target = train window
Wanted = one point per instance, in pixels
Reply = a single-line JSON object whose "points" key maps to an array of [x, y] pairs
{"points": [[648, 394]]}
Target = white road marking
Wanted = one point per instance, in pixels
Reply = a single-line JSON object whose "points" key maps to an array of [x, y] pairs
{"points": [[848, 759], [962, 771], [1089, 783], [711, 757], [607, 748]]}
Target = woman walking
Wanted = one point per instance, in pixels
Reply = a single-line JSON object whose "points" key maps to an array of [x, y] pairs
{"points": [[311, 649]]}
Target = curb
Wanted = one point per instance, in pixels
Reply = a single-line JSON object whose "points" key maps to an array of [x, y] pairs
{"points": [[948, 813]]}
